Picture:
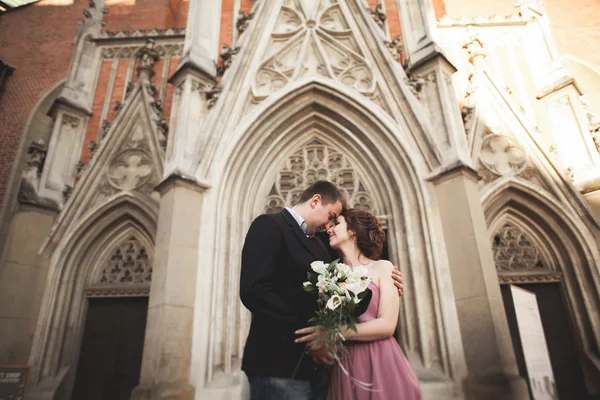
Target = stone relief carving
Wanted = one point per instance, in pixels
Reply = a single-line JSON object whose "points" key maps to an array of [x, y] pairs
{"points": [[502, 155], [163, 50], [312, 38], [309, 164], [130, 169], [514, 251], [129, 263]]}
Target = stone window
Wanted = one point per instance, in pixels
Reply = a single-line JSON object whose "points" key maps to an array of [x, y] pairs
{"points": [[313, 162], [128, 263]]}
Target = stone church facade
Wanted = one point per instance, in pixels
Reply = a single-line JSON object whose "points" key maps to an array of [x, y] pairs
{"points": [[135, 175]]}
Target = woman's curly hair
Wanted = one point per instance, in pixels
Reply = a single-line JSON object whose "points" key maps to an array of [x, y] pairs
{"points": [[367, 229]]}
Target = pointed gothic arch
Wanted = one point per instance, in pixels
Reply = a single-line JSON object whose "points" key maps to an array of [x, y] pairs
{"points": [[566, 246], [393, 170], [77, 264]]}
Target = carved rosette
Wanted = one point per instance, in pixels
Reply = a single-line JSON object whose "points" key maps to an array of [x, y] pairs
{"points": [[129, 263], [311, 163], [130, 169], [313, 38], [502, 155]]}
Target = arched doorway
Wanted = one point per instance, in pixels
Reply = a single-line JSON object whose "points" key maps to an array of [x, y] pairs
{"points": [[310, 118], [541, 248], [110, 354], [107, 255]]}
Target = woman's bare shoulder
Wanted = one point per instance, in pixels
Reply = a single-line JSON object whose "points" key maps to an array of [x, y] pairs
{"points": [[383, 266]]}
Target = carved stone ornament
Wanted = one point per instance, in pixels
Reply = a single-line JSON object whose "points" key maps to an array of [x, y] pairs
{"points": [[129, 263], [312, 38], [227, 54], [415, 83], [212, 95], [130, 169], [147, 55], [105, 128], [514, 251], [379, 15], [36, 155], [309, 164], [243, 21], [502, 155], [121, 51], [395, 47]]}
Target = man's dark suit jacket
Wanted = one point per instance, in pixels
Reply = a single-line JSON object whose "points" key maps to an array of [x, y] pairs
{"points": [[275, 259]]}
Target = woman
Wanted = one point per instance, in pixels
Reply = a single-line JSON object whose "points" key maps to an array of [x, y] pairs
{"points": [[372, 366]]}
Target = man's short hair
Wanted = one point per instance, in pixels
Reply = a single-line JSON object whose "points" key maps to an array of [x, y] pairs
{"points": [[328, 191]]}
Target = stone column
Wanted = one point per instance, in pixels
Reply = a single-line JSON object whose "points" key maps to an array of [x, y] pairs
{"points": [[167, 355], [491, 363]]}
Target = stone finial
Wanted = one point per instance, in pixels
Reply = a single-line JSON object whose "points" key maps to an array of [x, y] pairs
{"points": [[243, 21], [147, 55]]}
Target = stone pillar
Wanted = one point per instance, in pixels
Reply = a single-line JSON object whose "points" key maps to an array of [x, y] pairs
{"points": [[195, 85], [430, 77], [201, 46], [167, 355], [491, 363], [195, 93]]}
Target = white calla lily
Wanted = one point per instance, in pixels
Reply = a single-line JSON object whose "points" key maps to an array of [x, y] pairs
{"points": [[334, 302]]}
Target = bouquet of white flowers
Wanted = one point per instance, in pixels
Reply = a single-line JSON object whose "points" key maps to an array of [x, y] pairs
{"points": [[340, 288]]}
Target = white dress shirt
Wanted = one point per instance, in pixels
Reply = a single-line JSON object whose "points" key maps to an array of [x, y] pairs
{"points": [[301, 222]]}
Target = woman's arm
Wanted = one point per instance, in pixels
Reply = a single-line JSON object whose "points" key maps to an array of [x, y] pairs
{"points": [[387, 316]]}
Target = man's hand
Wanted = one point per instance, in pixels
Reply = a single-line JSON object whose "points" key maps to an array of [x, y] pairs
{"points": [[397, 277], [316, 350], [320, 355]]}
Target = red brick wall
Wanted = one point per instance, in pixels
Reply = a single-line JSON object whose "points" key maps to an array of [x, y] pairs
{"points": [[117, 95], [145, 14], [37, 41]]}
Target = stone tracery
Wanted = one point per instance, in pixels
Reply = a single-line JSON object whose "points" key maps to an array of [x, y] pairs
{"points": [[313, 162]]}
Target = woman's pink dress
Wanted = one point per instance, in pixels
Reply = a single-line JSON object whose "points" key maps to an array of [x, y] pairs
{"points": [[380, 363]]}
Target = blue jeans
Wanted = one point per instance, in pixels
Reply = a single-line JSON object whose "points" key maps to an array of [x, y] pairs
{"points": [[271, 388]]}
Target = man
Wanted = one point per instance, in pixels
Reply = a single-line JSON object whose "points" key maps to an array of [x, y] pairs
{"points": [[277, 254]]}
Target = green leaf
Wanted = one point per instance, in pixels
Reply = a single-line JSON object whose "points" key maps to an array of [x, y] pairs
{"points": [[351, 306], [310, 289], [313, 320], [332, 265]]}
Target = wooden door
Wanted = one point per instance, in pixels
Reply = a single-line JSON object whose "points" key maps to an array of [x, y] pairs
{"points": [[111, 351]]}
